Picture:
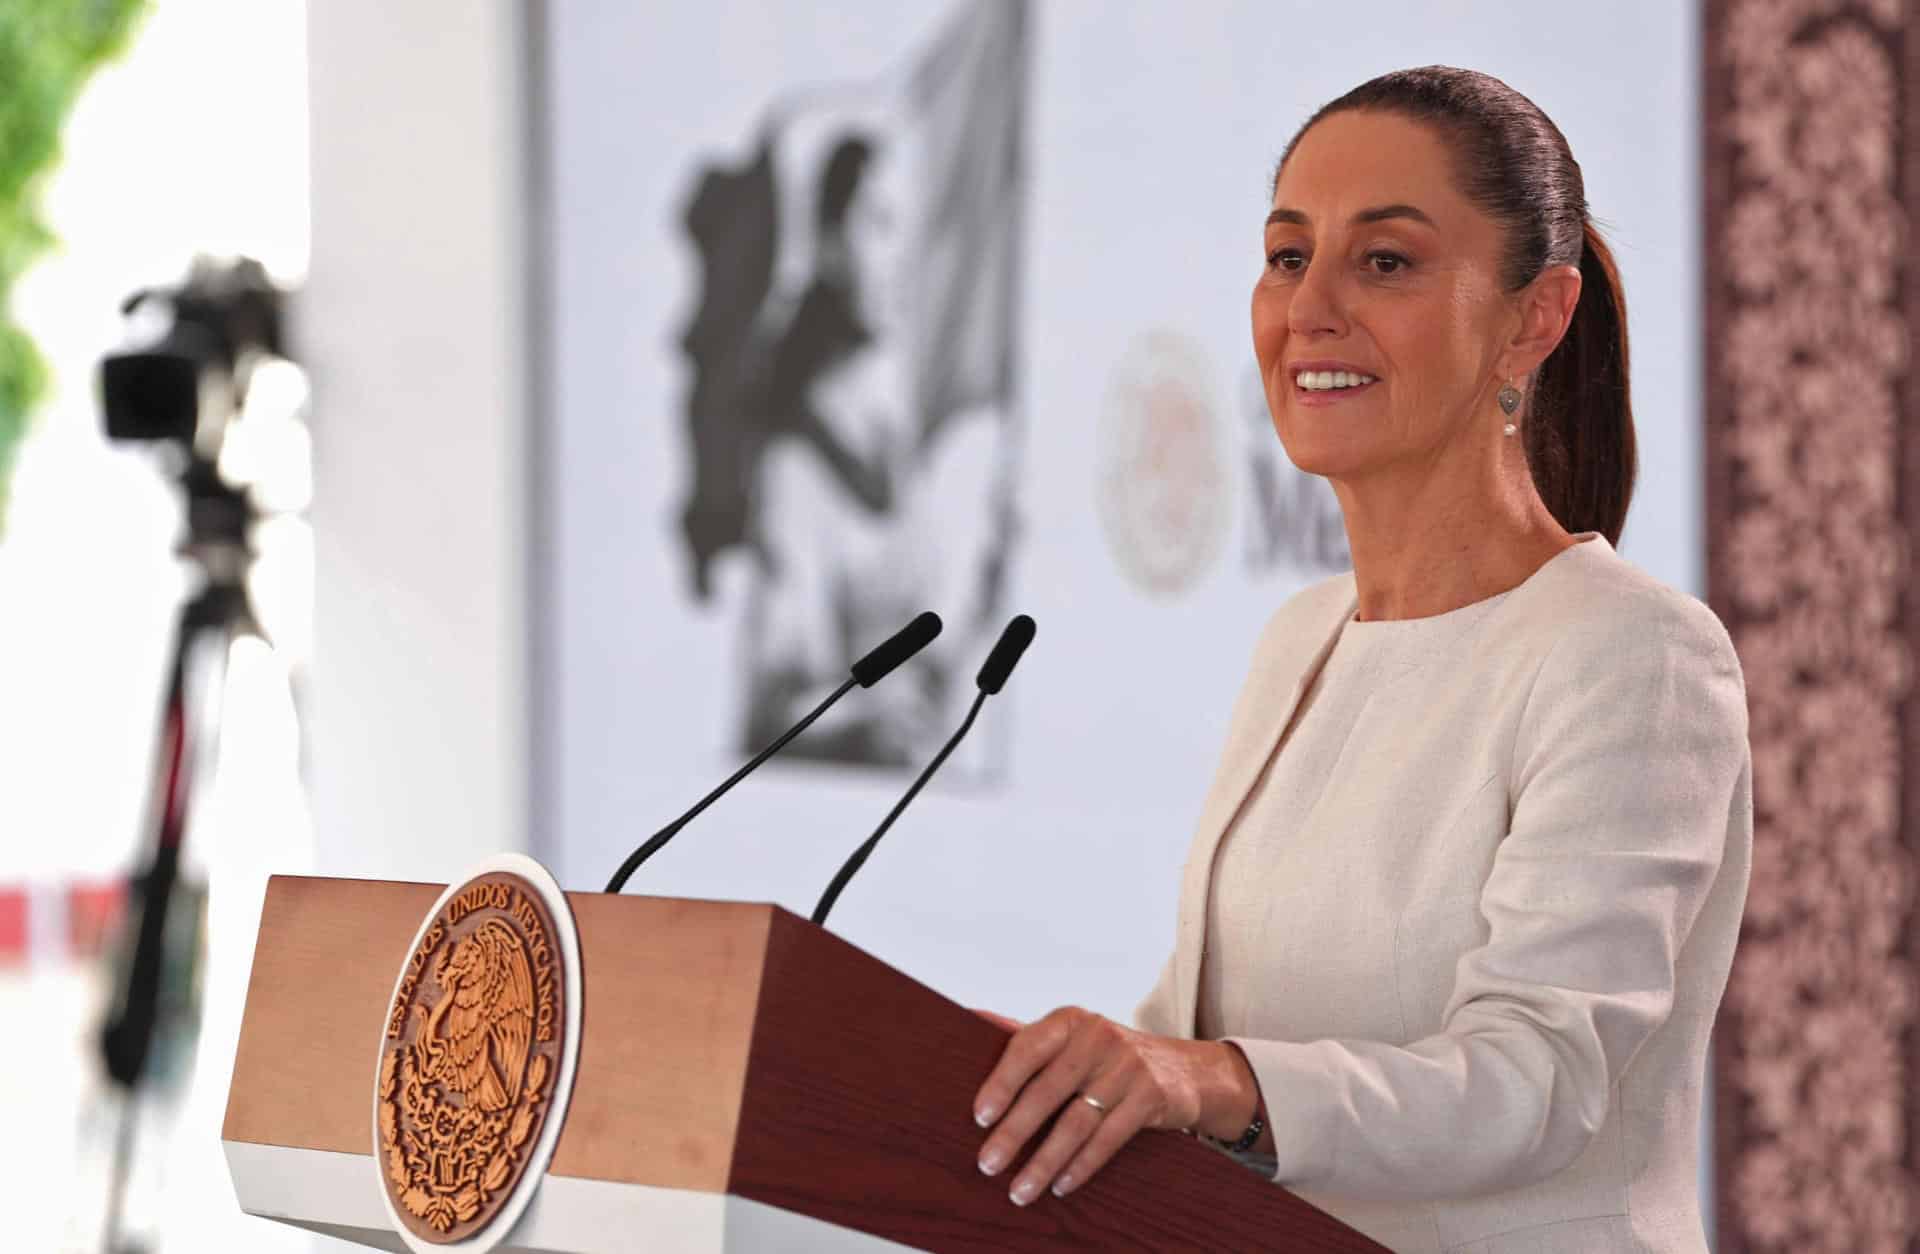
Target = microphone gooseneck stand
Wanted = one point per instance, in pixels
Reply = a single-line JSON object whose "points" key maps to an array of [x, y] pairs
{"points": [[659, 839], [993, 676], [860, 855], [866, 672]]}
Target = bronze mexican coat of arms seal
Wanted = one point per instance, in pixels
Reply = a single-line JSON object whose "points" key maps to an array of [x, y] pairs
{"points": [[469, 1060]]}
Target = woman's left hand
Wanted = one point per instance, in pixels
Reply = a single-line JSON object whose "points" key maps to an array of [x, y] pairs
{"points": [[1140, 1081]]}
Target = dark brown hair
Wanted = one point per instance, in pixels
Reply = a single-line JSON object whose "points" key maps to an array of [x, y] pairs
{"points": [[1512, 163]]}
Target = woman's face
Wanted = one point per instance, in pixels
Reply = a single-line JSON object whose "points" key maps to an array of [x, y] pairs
{"points": [[1375, 264]]}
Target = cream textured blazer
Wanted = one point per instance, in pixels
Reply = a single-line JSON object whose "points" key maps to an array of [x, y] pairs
{"points": [[1523, 909]]}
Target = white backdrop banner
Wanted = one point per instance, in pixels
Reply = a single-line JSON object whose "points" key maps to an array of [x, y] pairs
{"points": [[863, 309]]}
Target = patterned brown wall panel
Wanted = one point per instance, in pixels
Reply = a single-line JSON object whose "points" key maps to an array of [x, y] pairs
{"points": [[1813, 504]]}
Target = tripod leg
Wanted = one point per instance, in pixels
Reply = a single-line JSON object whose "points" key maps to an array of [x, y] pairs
{"points": [[205, 622], [110, 1237]]}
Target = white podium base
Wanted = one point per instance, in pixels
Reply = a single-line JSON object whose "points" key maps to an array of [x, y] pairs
{"points": [[339, 1195]]}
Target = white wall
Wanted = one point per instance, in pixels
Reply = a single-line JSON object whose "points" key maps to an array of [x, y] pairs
{"points": [[424, 713], [412, 328], [1153, 130]]}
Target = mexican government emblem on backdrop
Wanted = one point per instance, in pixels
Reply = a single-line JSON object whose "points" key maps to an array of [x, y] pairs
{"points": [[477, 1057], [1163, 481]]}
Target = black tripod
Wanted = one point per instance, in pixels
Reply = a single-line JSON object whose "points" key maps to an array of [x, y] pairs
{"points": [[218, 519]]}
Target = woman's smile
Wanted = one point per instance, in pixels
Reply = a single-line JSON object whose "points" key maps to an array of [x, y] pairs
{"points": [[1328, 383], [1314, 397]]}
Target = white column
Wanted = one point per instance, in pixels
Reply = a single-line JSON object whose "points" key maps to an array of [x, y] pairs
{"points": [[413, 327]]}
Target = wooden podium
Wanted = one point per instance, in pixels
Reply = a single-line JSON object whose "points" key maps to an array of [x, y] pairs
{"points": [[746, 1081]]}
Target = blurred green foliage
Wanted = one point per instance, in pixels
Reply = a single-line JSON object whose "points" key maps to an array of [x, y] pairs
{"points": [[48, 49]]}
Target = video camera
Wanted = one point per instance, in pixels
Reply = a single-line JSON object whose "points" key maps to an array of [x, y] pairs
{"points": [[200, 346], [189, 383]]}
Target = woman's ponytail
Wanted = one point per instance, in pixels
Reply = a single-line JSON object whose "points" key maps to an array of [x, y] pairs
{"points": [[1579, 428]]}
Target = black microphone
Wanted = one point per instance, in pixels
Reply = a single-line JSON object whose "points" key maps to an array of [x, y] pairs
{"points": [[866, 672], [993, 676], [896, 649], [1006, 651]]}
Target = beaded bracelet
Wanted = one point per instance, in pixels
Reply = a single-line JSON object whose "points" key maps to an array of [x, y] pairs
{"points": [[1248, 1139]]}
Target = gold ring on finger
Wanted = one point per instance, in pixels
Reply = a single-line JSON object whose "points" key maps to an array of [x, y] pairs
{"points": [[1095, 1102]]}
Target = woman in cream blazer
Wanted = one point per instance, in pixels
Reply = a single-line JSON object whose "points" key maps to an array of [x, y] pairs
{"points": [[1495, 965], [1463, 896]]}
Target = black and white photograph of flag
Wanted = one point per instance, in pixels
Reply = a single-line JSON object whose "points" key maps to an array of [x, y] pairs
{"points": [[850, 410]]}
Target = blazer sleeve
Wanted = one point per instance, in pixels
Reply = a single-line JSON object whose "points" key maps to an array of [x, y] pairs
{"points": [[1629, 748]]}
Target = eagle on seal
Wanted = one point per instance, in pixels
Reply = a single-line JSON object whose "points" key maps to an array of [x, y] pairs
{"points": [[478, 1036]]}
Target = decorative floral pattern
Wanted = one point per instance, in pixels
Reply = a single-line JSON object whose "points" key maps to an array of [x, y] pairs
{"points": [[448, 1160], [1809, 556]]}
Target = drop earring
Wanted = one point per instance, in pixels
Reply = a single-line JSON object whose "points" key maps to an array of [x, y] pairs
{"points": [[1509, 399]]}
